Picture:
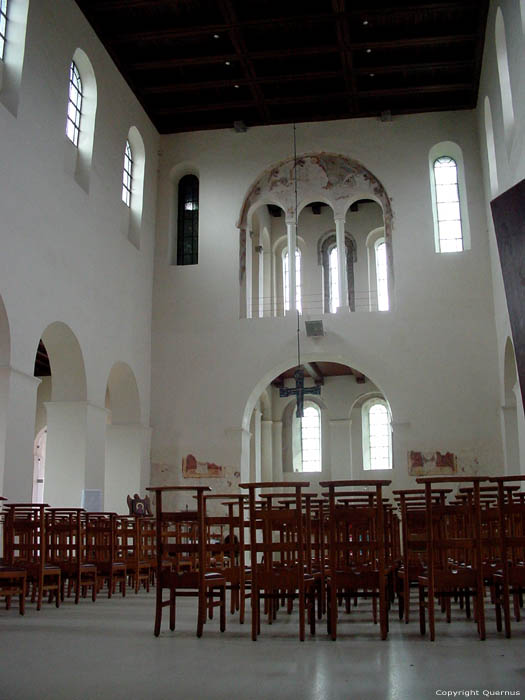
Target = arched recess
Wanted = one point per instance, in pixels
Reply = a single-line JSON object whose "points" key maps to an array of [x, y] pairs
{"points": [[124, 438], [324, 247], [507, 106], [321, 177], [5, 355], [137, 186], [341, 388], [509, 411], [82, 156], [65, 414]]}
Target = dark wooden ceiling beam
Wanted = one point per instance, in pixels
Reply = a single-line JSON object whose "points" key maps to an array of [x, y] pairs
{"points": [[239, 45], [313, 370], [343, 41], [213, 84], [322, 97], [304, 51]]}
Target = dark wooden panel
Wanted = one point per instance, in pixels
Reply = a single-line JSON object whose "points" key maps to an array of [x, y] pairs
{"points": [[508, 213]]}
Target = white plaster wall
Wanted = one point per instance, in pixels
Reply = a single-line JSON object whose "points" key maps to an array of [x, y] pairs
{"points": [[123, 451], [64, 255], [510, 163], [429, 357]]}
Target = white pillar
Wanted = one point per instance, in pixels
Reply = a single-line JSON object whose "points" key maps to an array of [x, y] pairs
{"points": [[65, 475], [266, 450], [341, 263], [257, 443], [17, 432], [277, 450], [291, 232], [240, 441], [145, 469], [340, 452], [249, 275], [509, 416], [263, 302]]}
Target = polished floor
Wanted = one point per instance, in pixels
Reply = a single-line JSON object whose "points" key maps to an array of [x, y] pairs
{"points": [[107, 651]]}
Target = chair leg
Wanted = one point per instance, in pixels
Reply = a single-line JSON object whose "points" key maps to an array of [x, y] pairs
{"points": [[422, 622], [172, 608], [222, 593]]}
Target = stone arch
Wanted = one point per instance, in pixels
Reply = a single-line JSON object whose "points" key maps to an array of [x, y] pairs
{"points": [[5, 357], [124, 438], [67, 363], [332, 178]]}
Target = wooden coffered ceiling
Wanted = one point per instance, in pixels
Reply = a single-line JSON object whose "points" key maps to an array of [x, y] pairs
{"points": [[205, 64], [318, 371]]}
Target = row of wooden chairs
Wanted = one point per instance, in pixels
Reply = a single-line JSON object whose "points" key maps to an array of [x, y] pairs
{"points": [[326, 551], [45, 548]]}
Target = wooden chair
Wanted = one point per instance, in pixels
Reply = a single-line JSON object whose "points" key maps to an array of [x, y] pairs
{"points": [[131, 529], [413, 528], [277, 556], [66, 532], [509, 581], [26, 547], [226, 552], [208, 587], [13, 580], [357, 551], [454, 554], [105, 548]]}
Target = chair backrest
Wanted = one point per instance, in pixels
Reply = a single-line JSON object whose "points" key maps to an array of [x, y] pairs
{"points": [[65, 530], [25, 534]]}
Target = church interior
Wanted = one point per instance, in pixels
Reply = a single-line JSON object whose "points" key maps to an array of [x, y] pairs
{"points": [[162, 164]]}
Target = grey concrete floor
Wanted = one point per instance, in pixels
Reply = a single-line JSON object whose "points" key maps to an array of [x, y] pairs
{"points": [[107, 650]]}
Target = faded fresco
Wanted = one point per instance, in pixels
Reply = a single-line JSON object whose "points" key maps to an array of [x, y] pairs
{"points": [[432, 463]]}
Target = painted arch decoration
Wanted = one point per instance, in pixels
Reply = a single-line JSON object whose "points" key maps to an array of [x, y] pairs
{"points": [[330, 177]]}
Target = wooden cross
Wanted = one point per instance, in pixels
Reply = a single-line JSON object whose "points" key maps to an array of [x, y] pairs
{"points": [[299, 391]]}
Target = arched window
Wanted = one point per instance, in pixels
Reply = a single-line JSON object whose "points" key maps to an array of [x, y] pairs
{"points": [[507, 106], [307, 436], [381, 275], [188, 221], [447, 204], [333, 280], [297, 280], [127, 175], [3, 27], [74, 107], [377, 435], [328, 258]]}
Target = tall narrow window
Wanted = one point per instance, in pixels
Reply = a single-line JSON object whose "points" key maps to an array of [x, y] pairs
{"points": [[334, 280], [447, 204], [297, 280], [3, 27], [74, 107], [308, 430], [127, 175], [377, 435], [381, 276], [188, 221]]}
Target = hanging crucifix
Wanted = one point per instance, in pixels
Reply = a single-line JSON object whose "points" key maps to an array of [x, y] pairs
{"points": [[299, 390]]}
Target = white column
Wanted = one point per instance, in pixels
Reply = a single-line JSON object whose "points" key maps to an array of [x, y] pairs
{"points": [[509, 416], [341, 263], [291, 232], [249, 275], [65, 475], [263, 302], [266, 450], [145, 468], [17, 432], [277, 450], [340, 452], [257, 443], [95, 465]]}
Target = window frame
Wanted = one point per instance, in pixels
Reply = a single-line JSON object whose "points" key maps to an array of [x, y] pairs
{"points": [[127, 175], [298, 280], [367, 446], [3, 21], [381, 242], [451, 150], [75, 81], [297, 425], [188, 224], [325, 246]]}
